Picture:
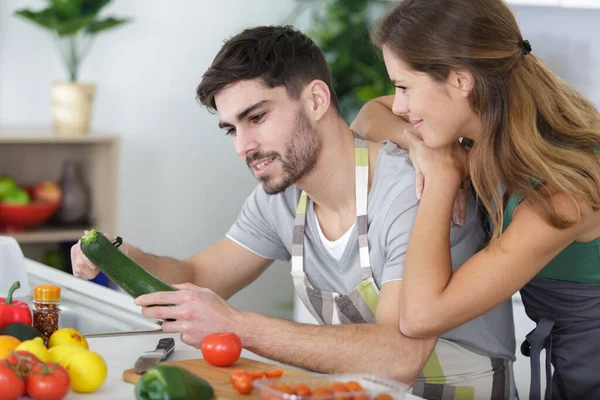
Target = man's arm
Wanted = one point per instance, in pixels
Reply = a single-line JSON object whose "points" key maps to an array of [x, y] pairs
{"points": [[226, 267], [377, 348], [375, 121]]}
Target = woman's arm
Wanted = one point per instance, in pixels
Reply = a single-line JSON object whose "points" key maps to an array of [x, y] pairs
{"points": [[434, 300], [375, 121]]}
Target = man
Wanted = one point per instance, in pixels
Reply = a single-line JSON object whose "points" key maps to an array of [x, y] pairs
{"points": [[341, 209]]}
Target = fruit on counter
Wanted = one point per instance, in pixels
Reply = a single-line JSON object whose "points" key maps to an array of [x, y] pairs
{"points": [[7, 185], [21, 331], [48, 381], [87, 371], [119, 268], [47, 192], [60, 353], [67, 336], [7, 343], [11, 385], [169, 382], [36, 347], [18, 197], [242, 379], [351, 390], [12, 311], [22, 362], [221, 349], [274, 373]]}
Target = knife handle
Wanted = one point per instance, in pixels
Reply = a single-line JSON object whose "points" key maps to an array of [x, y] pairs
{"points": [[166, 344]]}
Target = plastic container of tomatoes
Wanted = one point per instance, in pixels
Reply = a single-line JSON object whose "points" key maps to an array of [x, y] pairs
{"points": [[330, 387]]}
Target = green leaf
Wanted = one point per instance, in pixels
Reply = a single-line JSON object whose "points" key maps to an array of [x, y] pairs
{"points": [[92, 7], [341, 29], [45, 18], [107, 23], [74, 25], [66, 9]]}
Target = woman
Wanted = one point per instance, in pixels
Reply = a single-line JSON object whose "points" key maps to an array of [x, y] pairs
{"points": [[462, 69]]}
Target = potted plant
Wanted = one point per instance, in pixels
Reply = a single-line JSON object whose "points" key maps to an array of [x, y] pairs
{"points": [[74, 24], [341, 29]]}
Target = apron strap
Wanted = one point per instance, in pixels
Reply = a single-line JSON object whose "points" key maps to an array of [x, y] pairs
{"points": [[536, 340], [361, 161]]}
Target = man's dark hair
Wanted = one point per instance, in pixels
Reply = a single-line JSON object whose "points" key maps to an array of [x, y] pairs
{"points": [[279, 55]]}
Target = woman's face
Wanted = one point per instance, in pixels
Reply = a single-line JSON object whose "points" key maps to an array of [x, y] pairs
{"points": [[440, 112]]}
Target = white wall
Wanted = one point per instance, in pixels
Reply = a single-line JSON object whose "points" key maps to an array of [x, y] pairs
{"points": [[182, 184], [568, 38]]}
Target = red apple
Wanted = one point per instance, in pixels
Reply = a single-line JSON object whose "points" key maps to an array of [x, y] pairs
{"points": [[47, 192]]}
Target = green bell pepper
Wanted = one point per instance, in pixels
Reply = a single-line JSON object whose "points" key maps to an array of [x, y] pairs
{"points": [[168, 382]]}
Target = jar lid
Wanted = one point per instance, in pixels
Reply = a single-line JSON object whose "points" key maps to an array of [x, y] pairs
{"points": [[46, 292]]}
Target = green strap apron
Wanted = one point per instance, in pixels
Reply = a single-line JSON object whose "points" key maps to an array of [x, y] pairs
{"points": [[452, 372]]}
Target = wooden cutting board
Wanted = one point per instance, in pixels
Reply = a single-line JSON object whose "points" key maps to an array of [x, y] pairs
{"points": [[219, 377]]}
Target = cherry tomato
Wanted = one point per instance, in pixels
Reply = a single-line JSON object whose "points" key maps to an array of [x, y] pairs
{"points": [[256, 374], [340, 392], [11, 385], [21, 362], [283, 388], [383, 396], [354, 386], [243, 384], [274, 373], [221, 349], [361, 396], [48, 381], [302, 390], [236, 374], [323, 392]]}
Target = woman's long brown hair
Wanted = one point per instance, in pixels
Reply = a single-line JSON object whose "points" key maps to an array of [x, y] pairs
{"points": [[538, 132]]}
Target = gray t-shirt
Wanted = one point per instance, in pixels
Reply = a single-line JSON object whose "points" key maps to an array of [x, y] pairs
{"points": [[265, 224]]}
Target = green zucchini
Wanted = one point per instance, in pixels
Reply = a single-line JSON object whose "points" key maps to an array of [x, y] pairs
{"points": [[118, 267]]}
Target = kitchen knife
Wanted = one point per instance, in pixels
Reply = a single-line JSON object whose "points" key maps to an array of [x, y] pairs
{"points": [[149, 358]]}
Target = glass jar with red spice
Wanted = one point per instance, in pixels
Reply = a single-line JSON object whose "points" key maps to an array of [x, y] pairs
{"points": [[46, 299]]}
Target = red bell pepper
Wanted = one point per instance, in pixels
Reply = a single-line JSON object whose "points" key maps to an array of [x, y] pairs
{"points": [[13, 311]]}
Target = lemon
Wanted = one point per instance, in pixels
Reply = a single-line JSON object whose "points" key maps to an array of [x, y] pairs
{"points": [[36, 347], [60, 353], [67, 336], [87, 371]]}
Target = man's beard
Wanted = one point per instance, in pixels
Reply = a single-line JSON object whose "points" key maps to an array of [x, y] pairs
{"points": [[301, 152]]}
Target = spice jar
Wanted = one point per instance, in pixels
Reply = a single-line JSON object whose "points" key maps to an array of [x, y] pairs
{"points": [[46, 298]]}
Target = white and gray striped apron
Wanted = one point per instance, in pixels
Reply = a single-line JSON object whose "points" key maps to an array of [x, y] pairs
{"points": [[452, 372]]}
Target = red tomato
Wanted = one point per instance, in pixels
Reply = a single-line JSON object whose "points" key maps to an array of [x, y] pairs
{"points": [[236, 374], [11, 385], [354, 386], [21, 362], [48, 381], [243, 384], [256, 374], [221, 349], [302, 389], [274, 373]]}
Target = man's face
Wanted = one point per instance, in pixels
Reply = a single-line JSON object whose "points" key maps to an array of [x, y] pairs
{"points": [[270, 131]]}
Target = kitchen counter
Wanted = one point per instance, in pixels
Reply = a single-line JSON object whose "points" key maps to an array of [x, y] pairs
{"points": [[121, 351]]}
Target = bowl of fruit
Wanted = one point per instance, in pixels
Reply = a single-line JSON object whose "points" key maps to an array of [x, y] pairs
{"points": [[23, 207]]}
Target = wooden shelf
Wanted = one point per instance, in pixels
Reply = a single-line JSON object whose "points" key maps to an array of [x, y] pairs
{"points": [[21, 135], [48, 235]]}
